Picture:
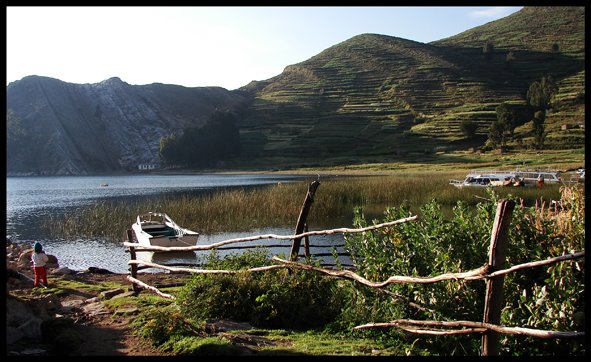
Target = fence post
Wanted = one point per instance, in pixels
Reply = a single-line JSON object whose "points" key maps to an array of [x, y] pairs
{"points": [[295, 246], [306, 242], [132, 257], [493, 302]]}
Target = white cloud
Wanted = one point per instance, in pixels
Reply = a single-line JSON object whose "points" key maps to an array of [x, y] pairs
{"points": [[493, 12]]}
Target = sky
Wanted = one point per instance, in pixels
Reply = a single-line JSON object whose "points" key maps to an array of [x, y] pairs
{"points": [[206, 46]]}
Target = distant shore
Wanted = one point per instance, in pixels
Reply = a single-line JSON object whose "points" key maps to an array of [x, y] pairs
{"points": [[459, 161]]}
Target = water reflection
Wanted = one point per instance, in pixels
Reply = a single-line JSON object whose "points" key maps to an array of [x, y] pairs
{"points": [[30, 200]]}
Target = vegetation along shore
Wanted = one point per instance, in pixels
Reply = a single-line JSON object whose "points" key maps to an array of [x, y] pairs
{"points": [[275, 316]]}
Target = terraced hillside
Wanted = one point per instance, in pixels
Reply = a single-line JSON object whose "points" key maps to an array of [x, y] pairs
{"points": [[381, 97], [543, 41]]}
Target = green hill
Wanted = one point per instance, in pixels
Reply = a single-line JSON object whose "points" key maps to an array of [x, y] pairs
{"points": [[376, 97], [372, 98]]}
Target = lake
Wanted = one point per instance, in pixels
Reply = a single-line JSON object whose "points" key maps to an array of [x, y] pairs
{"points": [[30, 199]]}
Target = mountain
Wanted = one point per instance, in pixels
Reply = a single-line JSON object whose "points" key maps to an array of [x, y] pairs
{"points": [[370, 98], [110, 126], [376, 97]]}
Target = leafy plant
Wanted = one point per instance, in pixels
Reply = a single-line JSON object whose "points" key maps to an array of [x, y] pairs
{"points": [[161, 324], [272, 299], [551, 298]]}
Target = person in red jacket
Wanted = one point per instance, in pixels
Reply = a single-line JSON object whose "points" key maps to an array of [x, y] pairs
{"points": [[540, 181], [39, 259]]}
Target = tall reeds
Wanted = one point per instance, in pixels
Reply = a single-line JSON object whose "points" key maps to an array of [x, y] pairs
{"points": [[277, 205]]}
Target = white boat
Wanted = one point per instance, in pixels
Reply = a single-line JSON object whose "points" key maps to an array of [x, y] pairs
{"points": [[158, 229], [486, 179], [531, 177], [518, 177]]}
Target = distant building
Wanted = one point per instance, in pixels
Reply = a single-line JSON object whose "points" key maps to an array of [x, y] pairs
{"points": [[147, 166], [567, 127]]}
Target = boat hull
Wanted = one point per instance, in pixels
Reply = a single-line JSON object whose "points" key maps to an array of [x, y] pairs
{"points": [[168, 241], [494, 178], [157, 229]]}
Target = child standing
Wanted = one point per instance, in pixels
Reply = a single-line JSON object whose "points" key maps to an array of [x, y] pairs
{"points": [[39, 259]]}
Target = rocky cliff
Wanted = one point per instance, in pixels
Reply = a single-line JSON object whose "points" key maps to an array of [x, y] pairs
{"points": [[77, 129]]}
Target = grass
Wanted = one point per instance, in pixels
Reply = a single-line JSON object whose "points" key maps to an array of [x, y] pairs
{"points": [[310, 343], [322, 344], [284, 343], [373, 186]]}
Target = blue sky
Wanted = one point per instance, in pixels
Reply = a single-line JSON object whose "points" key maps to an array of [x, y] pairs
{"points": [[206, 46]]}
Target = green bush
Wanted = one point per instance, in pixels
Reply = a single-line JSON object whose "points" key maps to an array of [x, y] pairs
{"points": [[273, 299], [430, 246], [195, 346], [159, 325], [549, 298]]}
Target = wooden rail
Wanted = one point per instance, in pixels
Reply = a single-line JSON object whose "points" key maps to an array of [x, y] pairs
{"points": [[492, 272]]}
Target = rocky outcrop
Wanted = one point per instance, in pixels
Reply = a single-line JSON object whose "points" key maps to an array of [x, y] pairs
{"points": [[24, 260], [21, 321], [37, 323], [76, 129]]}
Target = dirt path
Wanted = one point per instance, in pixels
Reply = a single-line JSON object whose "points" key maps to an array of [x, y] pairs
{"points": [[102, 331], [106, 335], [96, 329]]}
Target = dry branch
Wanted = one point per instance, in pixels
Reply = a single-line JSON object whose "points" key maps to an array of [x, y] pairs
{"points": [[149, 287], [439, 332], [347, 274], [474, 274], [538, 263], [203, 271], [472, 327], [267, 236]]}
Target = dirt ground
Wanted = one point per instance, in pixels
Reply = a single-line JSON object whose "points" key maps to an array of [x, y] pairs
{"points": [[96, 330], [108, 334], [103, 333]]}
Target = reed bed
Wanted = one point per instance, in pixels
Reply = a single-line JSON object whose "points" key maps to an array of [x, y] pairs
{"points": [[278, 205]]}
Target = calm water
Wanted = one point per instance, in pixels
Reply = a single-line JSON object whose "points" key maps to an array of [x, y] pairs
{"points": [[29, 199]]}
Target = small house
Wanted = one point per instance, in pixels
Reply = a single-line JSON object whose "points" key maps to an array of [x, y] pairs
{"points": [[147, 166]]}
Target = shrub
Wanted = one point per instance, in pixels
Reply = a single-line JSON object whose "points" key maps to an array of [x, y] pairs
{"points": [[429, 246], [161, 324], [549, 298], [468, 128], [272, 299]]}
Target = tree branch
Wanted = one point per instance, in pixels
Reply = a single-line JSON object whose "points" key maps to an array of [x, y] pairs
{"points": [[267, 236], [474, 274], [473, 327], [478, 273], [203, 271], [537, 263], [141, 284]]}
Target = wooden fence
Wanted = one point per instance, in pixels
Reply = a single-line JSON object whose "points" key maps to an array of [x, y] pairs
{"points": [[491, 272]]}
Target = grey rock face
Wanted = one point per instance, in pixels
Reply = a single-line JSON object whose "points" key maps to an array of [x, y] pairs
{"points": [[111, 126]]}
